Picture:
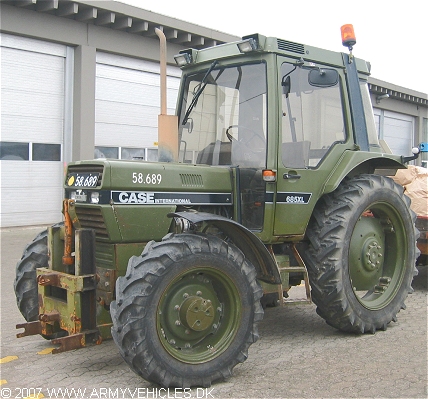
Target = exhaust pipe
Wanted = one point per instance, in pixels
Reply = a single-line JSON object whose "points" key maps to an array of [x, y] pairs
{"points": [[167, 124]]}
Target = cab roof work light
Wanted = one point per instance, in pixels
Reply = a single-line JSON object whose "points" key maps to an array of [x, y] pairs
{"points": [[348, 36], [248, 45], [183, 59]]}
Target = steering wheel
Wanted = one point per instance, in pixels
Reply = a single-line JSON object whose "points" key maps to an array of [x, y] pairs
{"points": [[229, 136], [247, 139], [243, 145]]}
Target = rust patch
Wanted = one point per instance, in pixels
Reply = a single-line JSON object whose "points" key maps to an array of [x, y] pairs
{"points": [[68, 259], [40, 300], [48, 279], [52, 316], [31, 328], [68, 343]]}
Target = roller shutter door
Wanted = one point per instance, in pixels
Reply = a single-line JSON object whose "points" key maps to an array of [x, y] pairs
{"points": [[32, 119], [398, 132], [127, 105], [396, 129]]}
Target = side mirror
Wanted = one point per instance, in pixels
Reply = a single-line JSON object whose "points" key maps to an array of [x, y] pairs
{"points": [[286, 85]]}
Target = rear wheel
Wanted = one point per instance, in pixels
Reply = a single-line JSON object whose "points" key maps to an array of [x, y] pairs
{"points": [[361, 259], [186, 311], [35, 255]]}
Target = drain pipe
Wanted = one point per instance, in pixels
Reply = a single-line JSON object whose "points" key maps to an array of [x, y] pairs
{"points": [[167, 124]]}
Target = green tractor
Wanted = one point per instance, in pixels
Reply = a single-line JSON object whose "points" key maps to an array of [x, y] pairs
{"points": [[271, 173]]}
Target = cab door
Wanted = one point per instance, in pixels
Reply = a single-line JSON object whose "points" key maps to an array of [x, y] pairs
{"points": [[312, 140]]}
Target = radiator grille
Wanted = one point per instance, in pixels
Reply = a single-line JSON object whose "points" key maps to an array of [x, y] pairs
{"points": [[92, 218], [104, 255], [291, 46]]}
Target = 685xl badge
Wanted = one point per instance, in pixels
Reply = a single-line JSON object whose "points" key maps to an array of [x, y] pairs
{"points": [[82, 179]]}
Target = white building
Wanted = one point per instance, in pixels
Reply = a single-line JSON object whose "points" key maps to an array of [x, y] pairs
{"points": [[80, 78]]}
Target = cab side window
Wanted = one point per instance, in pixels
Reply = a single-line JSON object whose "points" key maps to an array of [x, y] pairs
{"points": [[312, 120]]}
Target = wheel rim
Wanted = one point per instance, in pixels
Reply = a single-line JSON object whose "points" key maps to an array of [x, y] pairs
{"points": [[198, 315], [378, 253]]}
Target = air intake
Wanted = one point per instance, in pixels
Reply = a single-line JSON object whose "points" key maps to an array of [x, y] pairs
{"points": [[191, 180], [291, 46]]}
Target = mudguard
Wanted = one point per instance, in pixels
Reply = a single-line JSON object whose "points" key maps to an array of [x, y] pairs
{"points": [[253, 248]]}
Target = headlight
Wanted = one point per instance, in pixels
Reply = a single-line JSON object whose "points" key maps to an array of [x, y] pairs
{"points": [[95, 197]]}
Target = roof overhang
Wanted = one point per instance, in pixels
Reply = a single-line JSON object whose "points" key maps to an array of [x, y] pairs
{"points": [[124, 17]]}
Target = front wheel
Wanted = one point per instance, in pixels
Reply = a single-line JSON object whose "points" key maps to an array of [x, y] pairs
{"points": [[361, 258], [186, 311]]}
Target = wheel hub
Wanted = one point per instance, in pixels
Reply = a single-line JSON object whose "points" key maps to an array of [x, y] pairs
{"points": [[191, 312], [372, 254], [197, 313]]}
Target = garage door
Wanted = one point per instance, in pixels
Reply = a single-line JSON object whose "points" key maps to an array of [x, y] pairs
{"points": [[127, 106], [32, 126], [396, 129]]}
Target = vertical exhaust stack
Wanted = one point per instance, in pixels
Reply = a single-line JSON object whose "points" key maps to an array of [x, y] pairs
{"points": [[167, 124]]}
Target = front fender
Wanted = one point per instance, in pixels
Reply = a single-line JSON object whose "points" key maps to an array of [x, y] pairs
{"points": [[252, 247]]}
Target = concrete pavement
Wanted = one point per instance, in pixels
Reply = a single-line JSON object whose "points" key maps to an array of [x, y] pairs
{"points": [[297, 356]]}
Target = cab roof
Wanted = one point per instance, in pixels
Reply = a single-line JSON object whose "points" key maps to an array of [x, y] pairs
{"points": [[263, 44]]}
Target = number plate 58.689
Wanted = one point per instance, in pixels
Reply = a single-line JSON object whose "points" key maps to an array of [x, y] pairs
{"points": [[82, 179]]}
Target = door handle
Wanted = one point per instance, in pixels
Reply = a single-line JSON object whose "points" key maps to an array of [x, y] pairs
{"points": [[288, 176]]}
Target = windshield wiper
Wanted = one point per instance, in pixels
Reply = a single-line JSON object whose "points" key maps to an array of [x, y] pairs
{"points": [[202, 86]]}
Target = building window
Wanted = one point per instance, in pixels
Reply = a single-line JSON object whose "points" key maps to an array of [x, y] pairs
{"points": [[149, 154], [46, 152], [152, 154], [132, 153], [14, 151], [106, 152]]}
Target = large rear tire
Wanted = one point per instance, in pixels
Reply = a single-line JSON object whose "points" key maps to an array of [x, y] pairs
{"points": [[186, 311], [25, 285], [35, 255], [362, 252]]}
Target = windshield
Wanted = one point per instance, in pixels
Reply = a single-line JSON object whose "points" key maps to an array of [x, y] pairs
{"points": [[223, 117]]}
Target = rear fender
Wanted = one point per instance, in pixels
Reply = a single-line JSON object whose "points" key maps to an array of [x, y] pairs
{"points": [[357, 162], [252, 247]]}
